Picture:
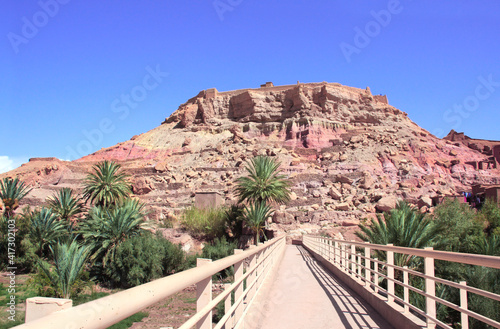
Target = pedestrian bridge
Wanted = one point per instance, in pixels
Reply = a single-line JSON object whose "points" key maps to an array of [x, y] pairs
{"points": [[316, 283]]}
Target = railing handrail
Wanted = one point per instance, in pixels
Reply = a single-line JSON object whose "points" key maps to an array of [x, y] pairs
{"points": [[106, 311], [344, 255], [457, 257]]}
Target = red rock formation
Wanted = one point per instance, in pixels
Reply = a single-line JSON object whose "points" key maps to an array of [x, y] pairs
{"points": [[344, 150]]}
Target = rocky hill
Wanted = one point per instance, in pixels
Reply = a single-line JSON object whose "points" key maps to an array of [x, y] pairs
{"points": [[347, 152]]}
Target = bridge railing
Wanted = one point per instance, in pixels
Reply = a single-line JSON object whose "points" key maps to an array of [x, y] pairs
{"points": [[250, 269], [356, 260]]}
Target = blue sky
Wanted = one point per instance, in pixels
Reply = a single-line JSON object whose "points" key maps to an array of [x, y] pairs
{"points": [[81, 75]]}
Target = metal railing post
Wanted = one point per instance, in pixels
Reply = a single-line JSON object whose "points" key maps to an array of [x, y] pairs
{"points": [[358, 264], [259, 268], [406, 293], [368, 266], [336, 259], [430, 289], [227, 307], [343, 255], [390, 275], [463, 304], [252, 277], [204, 296], [353, 260], [238, 291], [375, 275]]}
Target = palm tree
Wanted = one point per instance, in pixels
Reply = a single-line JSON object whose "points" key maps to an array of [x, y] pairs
{"points": [[45, 229], [65, 204], [12, 191], [263, 183], [403, 226], [69, 260], [106, 185], [105, 229], [255, 218]]}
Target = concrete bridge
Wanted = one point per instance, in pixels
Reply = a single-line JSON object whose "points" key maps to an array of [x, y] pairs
{"points": [[317, 283]]}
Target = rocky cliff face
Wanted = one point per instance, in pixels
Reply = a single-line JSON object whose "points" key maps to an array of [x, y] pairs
{"points": [[347, 152]]}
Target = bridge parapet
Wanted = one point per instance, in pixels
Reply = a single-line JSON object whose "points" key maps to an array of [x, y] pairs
{"points": [[250, 269], [354, 264]]}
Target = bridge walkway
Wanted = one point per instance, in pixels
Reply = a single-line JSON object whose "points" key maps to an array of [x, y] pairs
{"points": [[305, 295]]}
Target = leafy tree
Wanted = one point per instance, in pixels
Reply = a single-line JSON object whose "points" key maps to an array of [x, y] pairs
{"points": [[403, 226], [459, 227], [255, 218], [491, 214], [105, 229], [218, 249], [488, 245], [106, 185], [263, 183], [234, 221], [24, 249], [69, 263], [65, 204], [12, 191], [45, 229], [131, 266]]}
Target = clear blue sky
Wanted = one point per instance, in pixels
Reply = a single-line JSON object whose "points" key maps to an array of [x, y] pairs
{"points": [[66, 64]]}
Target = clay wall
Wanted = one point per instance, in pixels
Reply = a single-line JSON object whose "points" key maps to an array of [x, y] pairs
{"points": [[211, 93], [204, 200], [43, 159], [381, 99], [496, 153]]}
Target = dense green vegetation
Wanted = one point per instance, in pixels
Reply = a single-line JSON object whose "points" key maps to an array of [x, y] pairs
{"points": [[75, 242], [454, 226], [205, 223]]}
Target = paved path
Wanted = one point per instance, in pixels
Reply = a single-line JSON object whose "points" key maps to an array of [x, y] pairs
{"points": [[305, 295]]}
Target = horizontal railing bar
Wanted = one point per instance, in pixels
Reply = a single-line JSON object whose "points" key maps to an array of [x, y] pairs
{"points": [[471, 289], [425, 253], [437, 299], [106, 311], [471, 259], [237, 302], [210, 306]]}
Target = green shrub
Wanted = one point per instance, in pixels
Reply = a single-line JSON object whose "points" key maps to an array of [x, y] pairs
{"points": [[143, 258], [491, 214], [208, 223], [459, 227], [24, 248], [218, 249]]}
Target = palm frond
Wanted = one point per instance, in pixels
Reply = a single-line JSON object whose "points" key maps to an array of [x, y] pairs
{"points": [[12, 191], [65, 204], [106, 185]]}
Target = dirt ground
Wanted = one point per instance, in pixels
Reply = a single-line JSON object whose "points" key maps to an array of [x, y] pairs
{"points": [[171, 312]]}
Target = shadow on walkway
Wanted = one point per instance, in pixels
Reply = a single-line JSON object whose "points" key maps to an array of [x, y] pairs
{"points": [[306, 295], [353, 311]]}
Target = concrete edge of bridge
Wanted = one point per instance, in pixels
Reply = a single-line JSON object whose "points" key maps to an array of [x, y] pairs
{"points": [[392, 313], [256, 311]]}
